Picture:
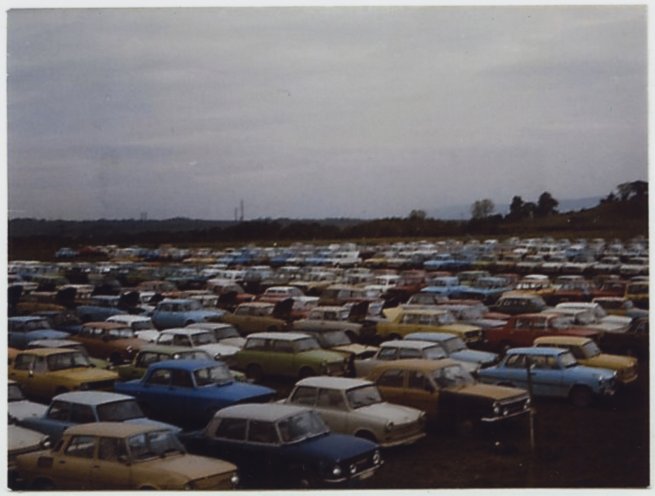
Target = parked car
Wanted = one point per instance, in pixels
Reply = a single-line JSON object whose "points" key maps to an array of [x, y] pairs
{"points": [[523, 329], [455, 348], [285, 445], [587, 352], [354, 406], [259, 316], [70, 345], [171, 313], [335, 317], [20, 441], [20, 408], [554, 372], [156, 353], [189, 392], [101, 307], [141, 325], [110, 341], [447, 393], [81, 407], [46, 372], [112, 456], [200, 339], [290, 354], [633, 342], [516, 302], [22, 330], [225, 334], [618, 305]]}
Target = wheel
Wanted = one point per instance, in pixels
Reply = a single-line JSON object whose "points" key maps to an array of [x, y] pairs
{"points": [[43, 485], [581, 396], [306, 372], [254, 372]]}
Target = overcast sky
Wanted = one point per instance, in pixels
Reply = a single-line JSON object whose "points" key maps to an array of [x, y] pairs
{"points": [[320, 112]]}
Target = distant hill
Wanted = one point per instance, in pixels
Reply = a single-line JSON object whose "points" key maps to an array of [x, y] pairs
{"points": [[463, 212]]}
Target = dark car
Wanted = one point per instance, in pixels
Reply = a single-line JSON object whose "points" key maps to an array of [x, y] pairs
{"points": [[284, 445], [189, 392]]}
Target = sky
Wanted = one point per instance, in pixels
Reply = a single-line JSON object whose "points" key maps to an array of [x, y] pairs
{"points": [[319, 111]]}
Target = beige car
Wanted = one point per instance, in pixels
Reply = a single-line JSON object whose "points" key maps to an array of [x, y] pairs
{"points": [[586, 352], [114, 456]]}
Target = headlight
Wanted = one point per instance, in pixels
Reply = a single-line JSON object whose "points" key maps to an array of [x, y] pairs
{"points": [[45, 444], [496, 408], [336, 471], [376, 457], [234, 480], [352, 469]]}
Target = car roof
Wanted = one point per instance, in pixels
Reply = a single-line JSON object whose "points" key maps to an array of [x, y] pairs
{"points": [[26, 318], [416, 364], [329, 382], [47, 351], [105, 325], [546, 350], [429, 336], [261, 304], [328, 308], [91, 397], [167, 348], [409, 343], [176, 300], [555, 340], [269, 412], [184, 364], [111, 429], [127, 318], [185, 330], [282, 336], [53, 343]]}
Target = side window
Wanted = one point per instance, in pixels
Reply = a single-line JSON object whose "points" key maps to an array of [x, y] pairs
{"points": [[262, 432], [230, 428], [181, 340], [515, 362], [23, 362], [255, 344], [283, 346], [110, 449], [81, 446], [577, 352], [82, 414], [409, 353], [145, 359], [391, 378], [59, 410], [165, 339], [161, 376], [329, 398], [304, 395], [417, 380], [40, 365], [387, 353], [181, 378]]}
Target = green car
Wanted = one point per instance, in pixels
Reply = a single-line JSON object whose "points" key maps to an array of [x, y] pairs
{"points": [[156, 353], [290, 354]]}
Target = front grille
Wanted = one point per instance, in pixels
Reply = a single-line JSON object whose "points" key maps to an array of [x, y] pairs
{"points": [[218, 481], [359, 465], [405, 430], [513, 406]]}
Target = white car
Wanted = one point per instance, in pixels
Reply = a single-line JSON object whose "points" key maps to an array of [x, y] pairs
{"points": [[611, 323], [200, 339], [355, 407], [141, 325], [225, 333], [18, 407]]}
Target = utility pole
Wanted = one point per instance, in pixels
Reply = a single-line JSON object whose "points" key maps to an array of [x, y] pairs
{"points": [[241, 219]]}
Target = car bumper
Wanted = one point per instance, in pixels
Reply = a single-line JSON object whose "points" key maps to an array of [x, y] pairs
{"points": [[404, 441], [501, 418]]}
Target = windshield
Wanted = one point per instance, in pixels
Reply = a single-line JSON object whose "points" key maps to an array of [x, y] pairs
{"points": [[306, 344], [590, 349], [335, 338], [363, 396], [567, 360], [561, 322], [434, 353], [452, 376], [62, 361], [15, 394], [202, 338], [192, 355], [217, 375], [153, 445], [453, 344], [119, 411], [301, 426], [227, 332]]}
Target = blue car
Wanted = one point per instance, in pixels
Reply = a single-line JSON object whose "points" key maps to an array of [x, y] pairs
{"points": [[284, 445], [82, 407], [181, 313], [554, 373], [22, 330], [100, 308], [486, 289], [189, 392], [444, 286], [455, 347]]}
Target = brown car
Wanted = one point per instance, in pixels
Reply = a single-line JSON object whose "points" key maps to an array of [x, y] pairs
{"points": [[259, 317], [447, 393], [108, 340], [116, 455]]}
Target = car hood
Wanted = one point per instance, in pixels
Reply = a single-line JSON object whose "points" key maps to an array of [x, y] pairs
{"points": [[239, 391], [87, 374], [217, 349], [236, 342], [356, 349], [332, 446], [154, 423], [20, 438], [23, 409], [321, 355], [612, 362], [497, 393], [189, 467], [488, 323], [389, 412]]}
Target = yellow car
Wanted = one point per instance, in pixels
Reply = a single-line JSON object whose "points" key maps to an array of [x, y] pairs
{"points": [[116, 455], [402, 321], [586, 352], [46, 372]]}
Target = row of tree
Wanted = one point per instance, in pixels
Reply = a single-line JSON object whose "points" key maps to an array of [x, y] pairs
{"points": [[518, 209]]}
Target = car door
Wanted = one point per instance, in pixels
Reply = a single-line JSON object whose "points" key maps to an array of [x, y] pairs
{"points": [[280, 360], [110, 469], [20, 372], [331, 404], [547, 376], [391, 384], [422, 393], [72, 467]]}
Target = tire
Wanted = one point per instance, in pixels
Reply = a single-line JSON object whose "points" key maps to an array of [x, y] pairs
{"points": [[581, 396], [254, 372], [306, 372], [43, 485]]}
